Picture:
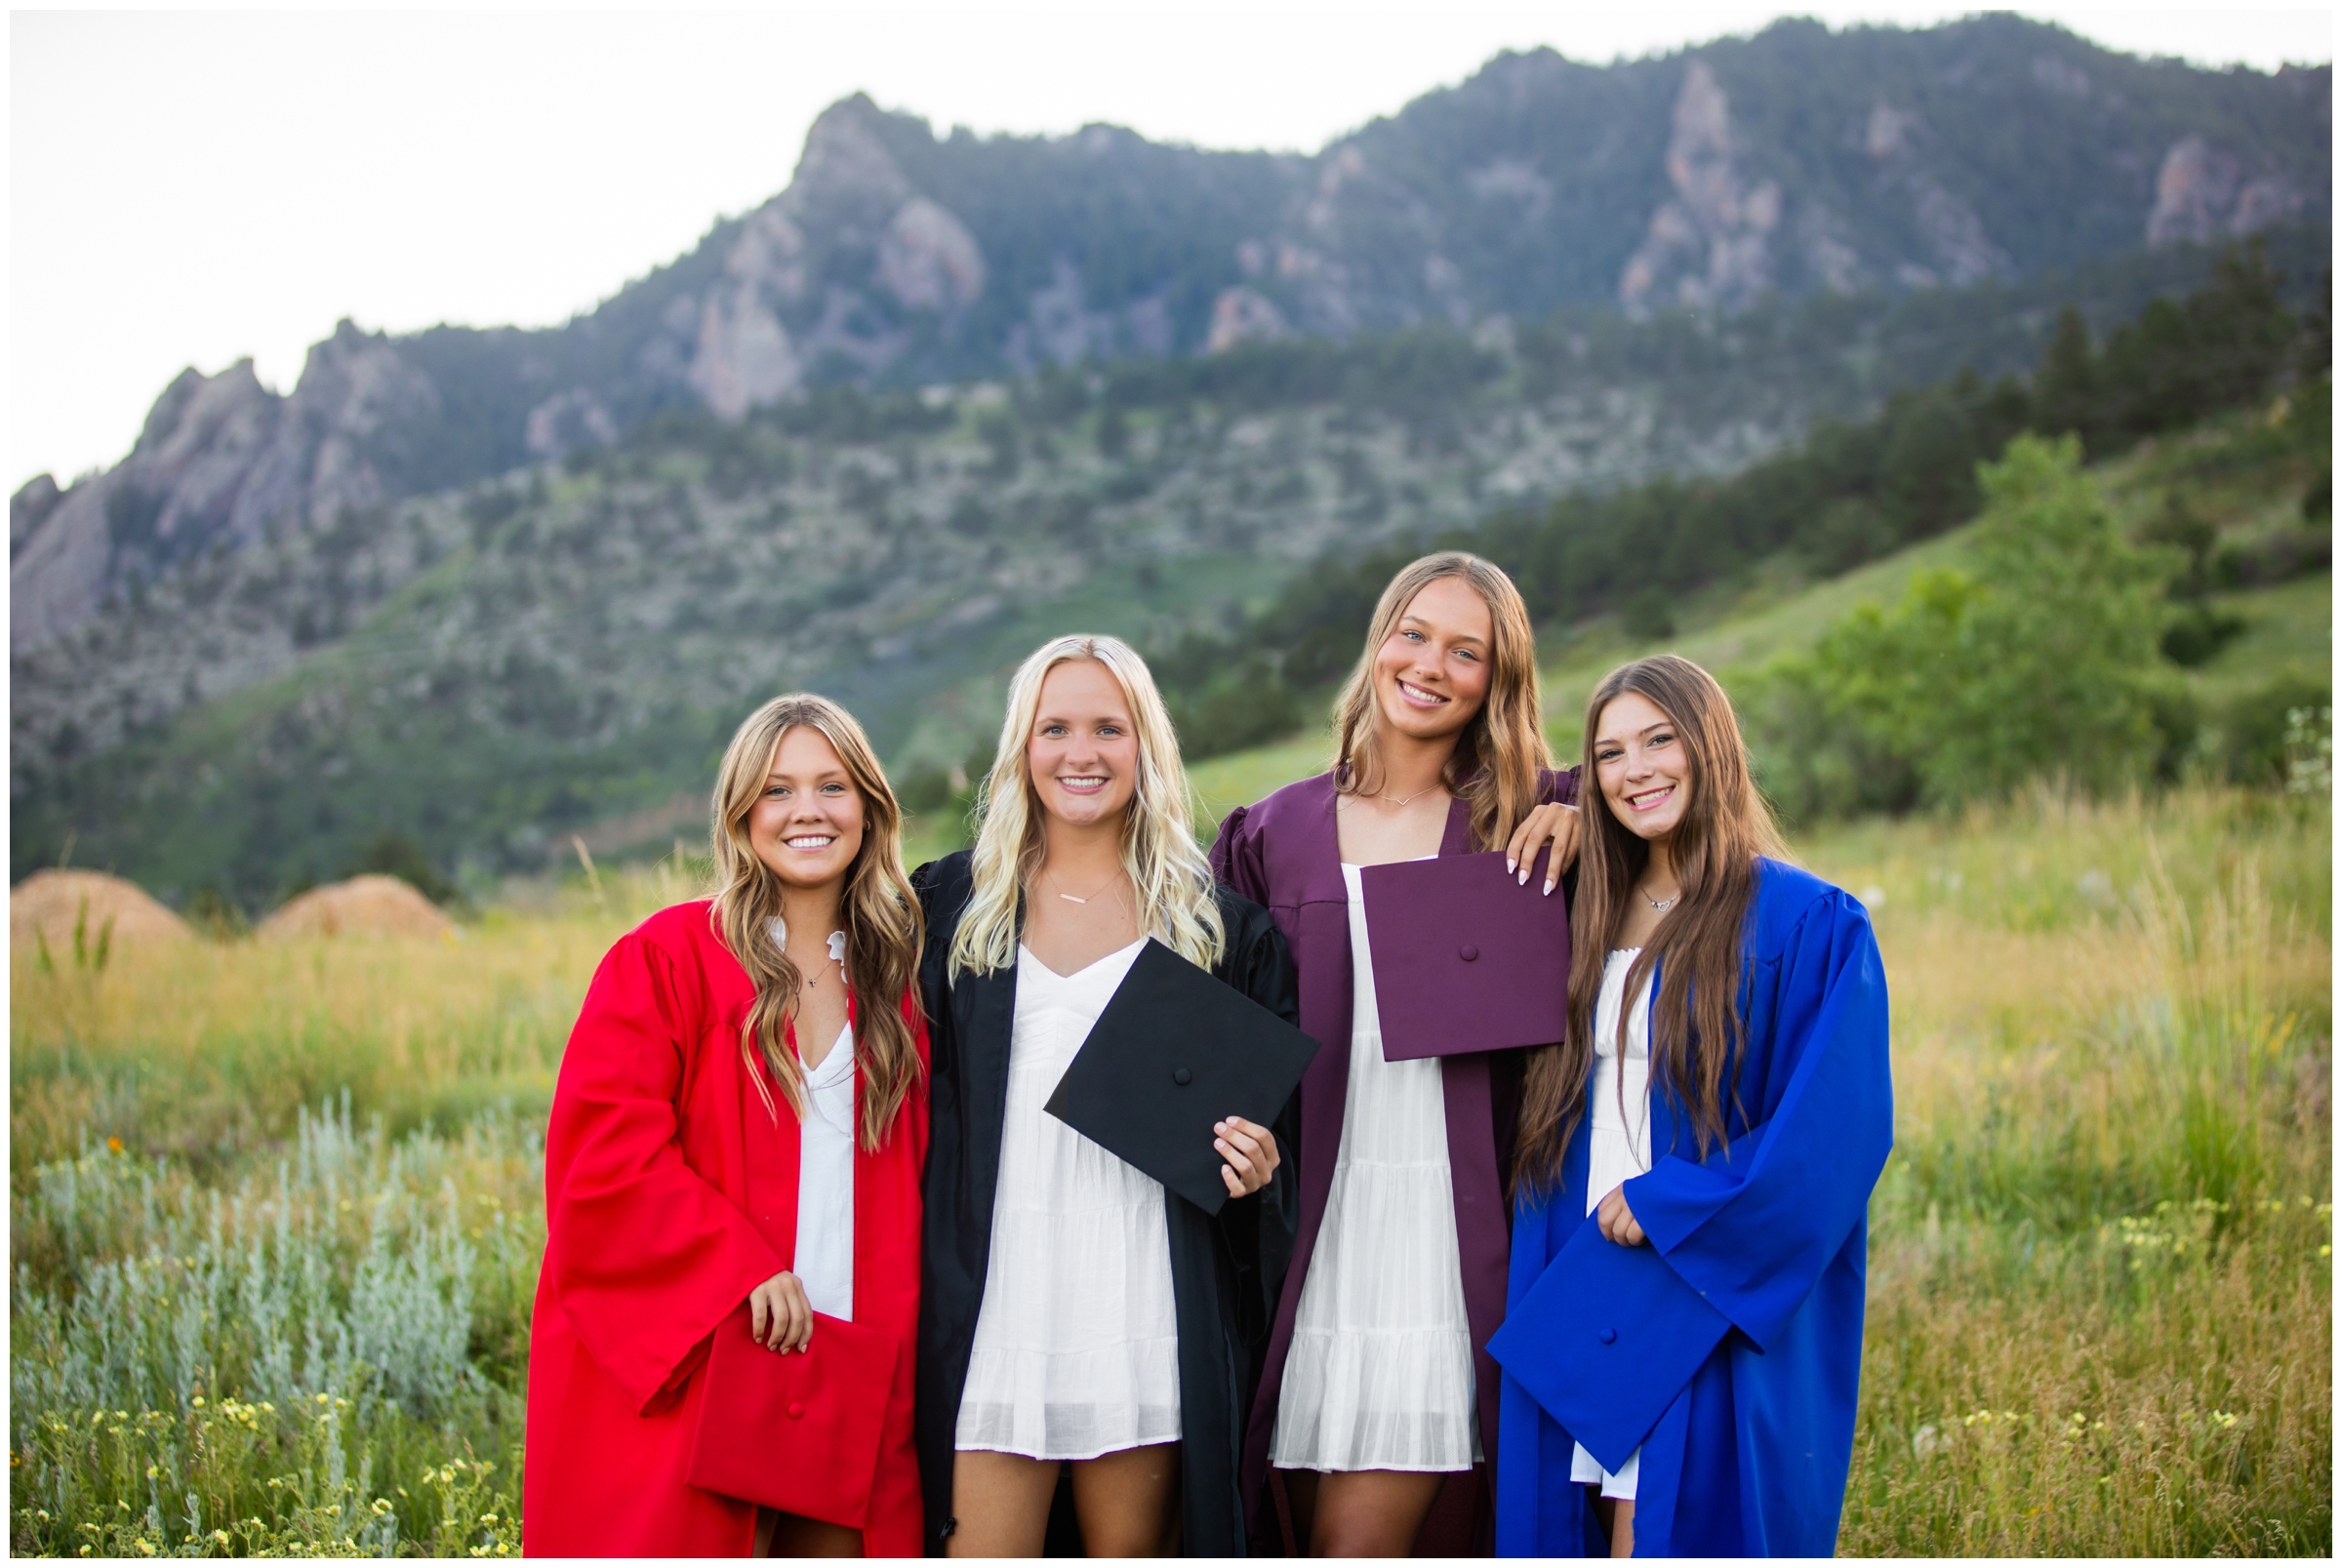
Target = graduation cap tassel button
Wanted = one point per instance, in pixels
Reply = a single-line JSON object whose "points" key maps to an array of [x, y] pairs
{"points": [[1182, 1076], [1468, 953]]}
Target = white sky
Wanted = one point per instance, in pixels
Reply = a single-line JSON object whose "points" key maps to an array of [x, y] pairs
{"points": [[190, 187]]}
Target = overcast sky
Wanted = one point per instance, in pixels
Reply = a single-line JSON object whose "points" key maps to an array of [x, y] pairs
{"points": [[189, 188]]}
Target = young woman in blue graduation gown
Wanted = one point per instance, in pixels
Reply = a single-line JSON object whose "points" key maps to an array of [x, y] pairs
{"points": [[1681, 1347], [1077, 1317]]}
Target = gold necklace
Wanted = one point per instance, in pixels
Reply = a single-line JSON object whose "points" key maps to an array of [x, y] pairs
{"points": [[1401, 800], [1094, 892]]}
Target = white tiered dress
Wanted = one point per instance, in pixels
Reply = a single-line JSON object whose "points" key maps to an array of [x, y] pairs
{"points": [[1076, 1349], [1380, 1375], [1620, 1142]]}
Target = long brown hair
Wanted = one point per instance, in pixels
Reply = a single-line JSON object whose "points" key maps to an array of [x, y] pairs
{"points": [[1696, 1027], [1496, 761], [882, 917]]}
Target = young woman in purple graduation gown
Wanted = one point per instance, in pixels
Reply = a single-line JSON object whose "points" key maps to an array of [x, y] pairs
{"points": [[1377, 1390], [1683, 1336]]}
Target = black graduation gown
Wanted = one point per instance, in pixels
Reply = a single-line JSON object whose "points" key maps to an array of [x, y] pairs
{"points": [[1226, 1271]]}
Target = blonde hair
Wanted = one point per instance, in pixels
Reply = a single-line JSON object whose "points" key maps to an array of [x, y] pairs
{"points": [[1497, 758], [880, 914], [1169, 873]]}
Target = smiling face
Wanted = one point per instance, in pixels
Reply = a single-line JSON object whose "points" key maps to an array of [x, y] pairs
{"points": [[1643, 765], [807, 824], [1431, 674], [1083, 753]]}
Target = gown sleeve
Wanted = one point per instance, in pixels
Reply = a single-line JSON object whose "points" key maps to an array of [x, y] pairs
{"points": [[941, 921], [1609, 1336], [645, 1256], [1258, 1230], [1236, 857]]}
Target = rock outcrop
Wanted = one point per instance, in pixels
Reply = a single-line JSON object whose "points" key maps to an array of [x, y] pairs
{"points": [[1241, 317], [1795, 160], [223, 459], [2202, 193], [762, 330], [1711, 243]]}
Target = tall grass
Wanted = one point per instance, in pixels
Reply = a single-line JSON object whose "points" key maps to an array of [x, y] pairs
{"points": [[321, 1357], [276, 1212], [206, 1050], [2100, 1270]]}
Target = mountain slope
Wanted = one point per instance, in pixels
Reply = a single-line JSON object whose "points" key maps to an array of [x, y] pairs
{"points": [[1794, 161], [2282, 645], [564, 650]]}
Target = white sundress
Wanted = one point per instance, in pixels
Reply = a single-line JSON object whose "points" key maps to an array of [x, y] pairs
{"points": [[1619, 1145], [1076, 1349], [1380, 1375]]}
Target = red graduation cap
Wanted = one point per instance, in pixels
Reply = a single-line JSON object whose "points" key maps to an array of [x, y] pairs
{"points": [[798, 1433]]}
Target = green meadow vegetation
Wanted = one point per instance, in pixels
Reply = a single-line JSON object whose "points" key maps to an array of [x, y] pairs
{"points": [[276, 1211], [276, 1207]]}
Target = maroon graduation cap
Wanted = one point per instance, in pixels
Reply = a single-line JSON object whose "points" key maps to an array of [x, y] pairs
{"points": [[1466, 957]]}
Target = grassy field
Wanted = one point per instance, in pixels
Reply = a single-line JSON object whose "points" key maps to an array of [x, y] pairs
{"points": [[276, 1210]]}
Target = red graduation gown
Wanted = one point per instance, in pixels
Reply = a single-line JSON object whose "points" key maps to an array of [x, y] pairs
{"points": [[664, 1207]]}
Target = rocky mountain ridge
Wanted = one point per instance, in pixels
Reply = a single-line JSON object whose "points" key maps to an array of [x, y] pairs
{"points": [[488, 670], [1797, 161]]}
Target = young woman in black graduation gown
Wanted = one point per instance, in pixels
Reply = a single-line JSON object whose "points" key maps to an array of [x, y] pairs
{"points": [[1076, 1317]]}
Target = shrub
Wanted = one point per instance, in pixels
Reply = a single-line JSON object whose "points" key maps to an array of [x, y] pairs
{"points": [[2044, 659], [2251, 745]]}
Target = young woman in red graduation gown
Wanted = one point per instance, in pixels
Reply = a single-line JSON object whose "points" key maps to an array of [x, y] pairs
{"points": [[1378, 1391], [708, 1148]]}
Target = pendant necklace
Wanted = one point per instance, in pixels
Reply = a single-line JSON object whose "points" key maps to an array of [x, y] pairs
{"points": [[1401, 800], [837, 950], [1661, 905], [1094, 892]]}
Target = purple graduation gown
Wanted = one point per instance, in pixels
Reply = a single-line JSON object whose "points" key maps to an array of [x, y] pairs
{"points": [[1286, 853]]}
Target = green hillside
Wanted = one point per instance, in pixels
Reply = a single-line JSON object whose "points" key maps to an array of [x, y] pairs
{"points": [[469, 680], [2283, 644]]}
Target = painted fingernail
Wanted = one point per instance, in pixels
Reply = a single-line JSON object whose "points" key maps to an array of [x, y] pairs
{"points": [[1511, 866]]}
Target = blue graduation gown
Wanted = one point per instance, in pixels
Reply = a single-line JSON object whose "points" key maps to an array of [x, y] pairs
{"points": [[1729, 1349]]}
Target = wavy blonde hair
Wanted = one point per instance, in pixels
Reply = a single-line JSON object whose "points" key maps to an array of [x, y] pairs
{"points": [[1497, 758], [1172, 878], [880, 914]]}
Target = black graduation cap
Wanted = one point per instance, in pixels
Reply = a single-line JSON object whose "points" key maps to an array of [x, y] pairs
{"points": [[1174, 1051]]}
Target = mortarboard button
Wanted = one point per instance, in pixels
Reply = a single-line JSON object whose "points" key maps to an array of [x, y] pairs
{"points": [[1468, 953], [1182, 1076], [1609, 1336], [796, 1411]]}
